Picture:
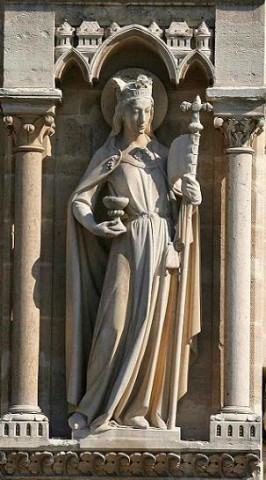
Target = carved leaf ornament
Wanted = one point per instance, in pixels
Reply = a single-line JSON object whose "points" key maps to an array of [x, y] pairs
{"points": [[241, 131], [123, 464]]}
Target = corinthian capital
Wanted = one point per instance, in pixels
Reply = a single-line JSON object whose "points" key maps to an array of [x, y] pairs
{"points": [[239, 131], [31, 133]]}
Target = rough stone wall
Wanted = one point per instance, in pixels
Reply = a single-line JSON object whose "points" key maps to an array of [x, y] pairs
{"points": [[237, 44], [28, 30]]}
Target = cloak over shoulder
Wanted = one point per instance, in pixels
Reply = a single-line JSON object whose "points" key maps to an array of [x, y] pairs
{"points": [[87, 257]]}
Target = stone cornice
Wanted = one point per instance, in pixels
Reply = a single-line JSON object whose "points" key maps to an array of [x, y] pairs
{"points": [[145, 3], [29, 101], [70, 463], [237, 101]]}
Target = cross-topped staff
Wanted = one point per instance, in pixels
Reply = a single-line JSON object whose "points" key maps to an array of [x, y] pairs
{"points": [[189, 145], [195, 126]]}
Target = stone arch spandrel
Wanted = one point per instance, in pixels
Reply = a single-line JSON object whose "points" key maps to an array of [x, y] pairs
{"points": [[196, 58], [140, 35], [69, 58]]}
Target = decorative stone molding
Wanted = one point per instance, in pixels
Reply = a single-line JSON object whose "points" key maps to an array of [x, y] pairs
{"points": [[223, 429], [239, 131], [112, 29], [177, 45], [90, 36], [202, 37], [155, 29], [12, 432], [124, 464], [64, 38], [31, 134], [178, 37]]}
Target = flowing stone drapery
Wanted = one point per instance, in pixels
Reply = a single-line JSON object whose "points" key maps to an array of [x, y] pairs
{"points": [[30, 127]]}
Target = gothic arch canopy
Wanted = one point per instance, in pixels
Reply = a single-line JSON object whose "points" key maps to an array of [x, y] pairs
{"points": [[141, 33], [91, 71], [196, 58], [72, 56]]}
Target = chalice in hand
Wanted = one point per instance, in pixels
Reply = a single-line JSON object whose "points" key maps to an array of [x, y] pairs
{"points": [[115, 206]]}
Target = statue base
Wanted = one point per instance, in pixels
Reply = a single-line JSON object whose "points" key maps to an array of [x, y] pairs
{"points": [[128, 438]]}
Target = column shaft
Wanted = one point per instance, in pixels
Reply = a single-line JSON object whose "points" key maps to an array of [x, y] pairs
{"points": [[238, 278], [26, 316]]}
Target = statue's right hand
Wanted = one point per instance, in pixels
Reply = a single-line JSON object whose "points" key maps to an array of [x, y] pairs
{"points": [[110, 229]]}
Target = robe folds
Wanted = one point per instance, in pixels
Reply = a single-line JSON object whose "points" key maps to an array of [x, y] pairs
{"points": [[122, 292]]}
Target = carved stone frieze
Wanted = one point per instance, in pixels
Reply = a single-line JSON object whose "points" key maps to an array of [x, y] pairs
{"points": [[239, 131], [125, 464], [180, 39], [31, 134]]}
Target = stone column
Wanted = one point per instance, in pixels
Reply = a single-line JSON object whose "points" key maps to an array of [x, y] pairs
{"points": [[239, 113], [29, 136], [236, 419], [30, 124], [239, 133]]}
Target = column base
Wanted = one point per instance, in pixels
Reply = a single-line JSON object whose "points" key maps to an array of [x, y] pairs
{"points": [[231, 426], [22, 429], [233, 409]]}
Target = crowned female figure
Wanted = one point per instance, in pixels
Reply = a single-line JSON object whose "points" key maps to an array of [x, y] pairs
{"points": [[122, 276]]}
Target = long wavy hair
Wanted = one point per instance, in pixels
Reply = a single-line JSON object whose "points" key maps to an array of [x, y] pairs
{"points": [[118, 119]]}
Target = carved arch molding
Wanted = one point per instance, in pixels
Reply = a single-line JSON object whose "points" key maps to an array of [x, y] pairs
{"points": [[89, 46]]}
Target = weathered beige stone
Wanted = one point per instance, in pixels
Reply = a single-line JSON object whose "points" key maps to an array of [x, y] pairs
{"points": [[28, 31], [27, 53]]}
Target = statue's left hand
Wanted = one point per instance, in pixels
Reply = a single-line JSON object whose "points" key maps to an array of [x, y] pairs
{"points": [[191, 189], [109, 229]]}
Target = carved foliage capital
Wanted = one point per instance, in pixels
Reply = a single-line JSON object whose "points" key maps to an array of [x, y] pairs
{"points": [[239, 131], [31, 133]]}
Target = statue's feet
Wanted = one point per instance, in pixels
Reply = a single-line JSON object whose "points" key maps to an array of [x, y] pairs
{"points": [[139, 422], [104, 427], [77, 421]]}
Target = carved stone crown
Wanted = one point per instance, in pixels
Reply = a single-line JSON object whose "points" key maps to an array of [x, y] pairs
{"points": [[126, 91]]}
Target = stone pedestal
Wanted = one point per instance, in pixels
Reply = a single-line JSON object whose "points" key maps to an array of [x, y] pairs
{"points": [[128, 438]]}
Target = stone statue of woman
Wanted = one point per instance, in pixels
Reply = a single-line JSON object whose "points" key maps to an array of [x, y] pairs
{"points": [[122, 275]]}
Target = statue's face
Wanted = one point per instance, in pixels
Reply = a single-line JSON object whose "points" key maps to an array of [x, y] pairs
{"points": [[136, 115]]}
